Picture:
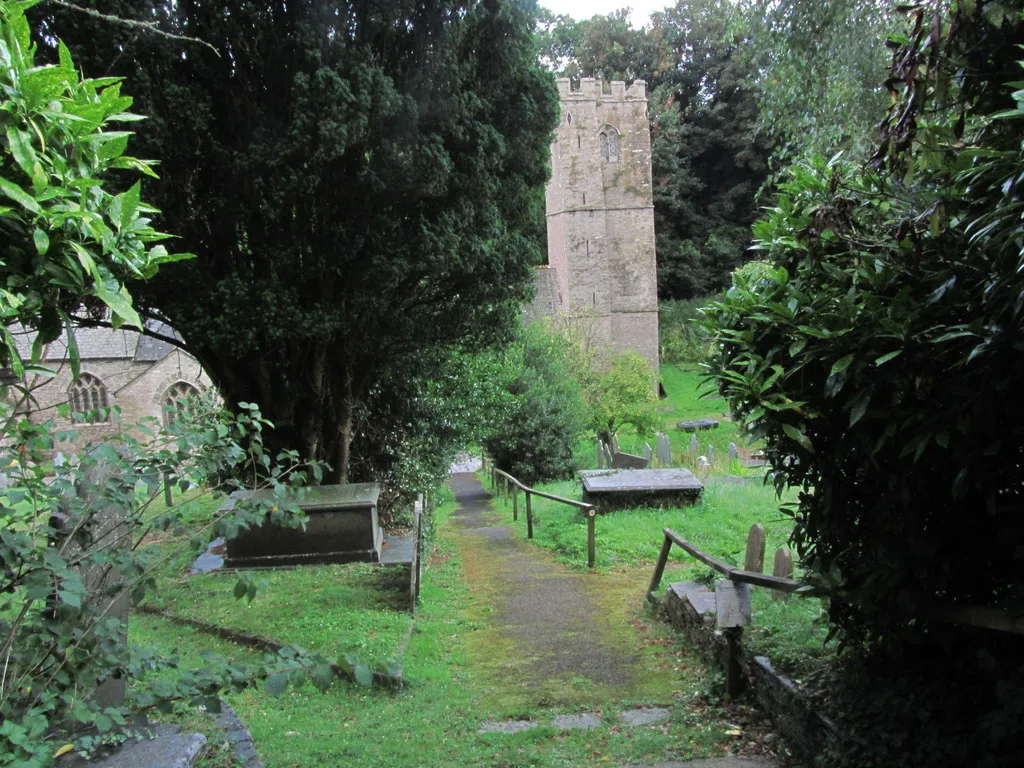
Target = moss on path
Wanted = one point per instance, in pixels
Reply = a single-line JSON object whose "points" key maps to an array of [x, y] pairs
{"points": [[552, 636]]}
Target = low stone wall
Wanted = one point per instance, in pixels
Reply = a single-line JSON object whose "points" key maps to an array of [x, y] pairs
{"points": [[690, 608]]}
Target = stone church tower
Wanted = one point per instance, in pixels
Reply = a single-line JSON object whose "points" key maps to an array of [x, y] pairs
{"points": [[600, 217]]}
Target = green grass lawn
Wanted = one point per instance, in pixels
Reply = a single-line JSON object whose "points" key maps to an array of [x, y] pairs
{"points": [[434, 720], [688, 398], [792, 632]]}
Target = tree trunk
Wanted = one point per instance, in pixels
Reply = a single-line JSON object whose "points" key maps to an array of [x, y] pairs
{"points": [[339, 472]]}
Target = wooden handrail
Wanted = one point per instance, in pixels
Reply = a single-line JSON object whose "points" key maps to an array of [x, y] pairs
{"points": [[730, 572], [588, 509]]}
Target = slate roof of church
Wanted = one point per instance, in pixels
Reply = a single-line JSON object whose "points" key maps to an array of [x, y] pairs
{"points": [[105, 344]]}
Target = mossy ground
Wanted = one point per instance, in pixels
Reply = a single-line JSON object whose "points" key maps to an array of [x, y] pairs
{"points": [[461, 670]]}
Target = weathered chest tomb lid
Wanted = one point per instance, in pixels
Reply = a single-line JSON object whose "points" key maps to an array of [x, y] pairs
{"points": [[342, 527]]}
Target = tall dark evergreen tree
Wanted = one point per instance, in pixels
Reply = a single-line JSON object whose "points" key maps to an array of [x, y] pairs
{"points": [[709, 161], [358, 180]]}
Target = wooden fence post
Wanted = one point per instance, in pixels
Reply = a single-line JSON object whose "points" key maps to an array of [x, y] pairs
{"points": [[515, 504], [659, 569], [529, 518], [591, 544]]}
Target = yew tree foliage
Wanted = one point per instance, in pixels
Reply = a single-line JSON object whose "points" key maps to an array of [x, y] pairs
{"points": [[880, 356], [358, 181]]}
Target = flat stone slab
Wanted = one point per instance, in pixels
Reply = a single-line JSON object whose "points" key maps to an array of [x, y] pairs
{"points": [[507, 726], [167, 750], [581, 722], [697, 425], [619, 489], [649, 716], [397, 550], [700, 598]]}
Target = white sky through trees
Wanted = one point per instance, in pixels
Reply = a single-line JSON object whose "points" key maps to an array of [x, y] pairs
{"points": [[584, 9]]}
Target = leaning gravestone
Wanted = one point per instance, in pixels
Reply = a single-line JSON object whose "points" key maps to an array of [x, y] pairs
{"points": [[783, 569], [664, 450], [755, 549], [629, 461]]}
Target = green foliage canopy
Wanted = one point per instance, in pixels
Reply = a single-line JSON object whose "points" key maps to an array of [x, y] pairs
{"points": [[535, 436], [360, 183], [65, 238], [880, 355]]}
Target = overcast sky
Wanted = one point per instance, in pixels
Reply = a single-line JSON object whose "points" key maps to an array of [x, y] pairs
{"points": [[584, 9]]}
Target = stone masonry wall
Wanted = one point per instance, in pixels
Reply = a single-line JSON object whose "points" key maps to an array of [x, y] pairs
{"points": [[137, 388], [600, 215]]}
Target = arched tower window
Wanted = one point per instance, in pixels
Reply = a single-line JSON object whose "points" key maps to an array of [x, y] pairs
{"points": [[609, 138], [88, 395], [175, 403]]}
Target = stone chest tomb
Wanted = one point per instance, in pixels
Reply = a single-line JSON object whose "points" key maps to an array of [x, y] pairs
{"points": [[625, 488], [342, 527]]}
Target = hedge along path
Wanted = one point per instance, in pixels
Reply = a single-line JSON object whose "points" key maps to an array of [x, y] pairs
{"points": [[552, 636]]}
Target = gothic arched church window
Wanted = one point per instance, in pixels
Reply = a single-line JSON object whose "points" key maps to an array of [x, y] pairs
{"points": [[88, 395], [609, 138], [175, 403]]}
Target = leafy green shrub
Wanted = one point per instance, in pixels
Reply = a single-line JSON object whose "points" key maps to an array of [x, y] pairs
{"points": [[880, 355], [680, 338], [73, 544], [534, 440], [64, 239], [622, 394]]}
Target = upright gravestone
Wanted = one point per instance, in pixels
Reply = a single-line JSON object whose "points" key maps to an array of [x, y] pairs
{"points": [[108, 529], [783, 569], [711, 455], [755, 549], [600, 454], [664, 450], [614, 444], [733, 452], [694, 445], [648, 452], [609, 457]]}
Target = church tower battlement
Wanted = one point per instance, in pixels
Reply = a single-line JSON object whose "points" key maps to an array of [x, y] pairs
{"points": [[600, 216]]}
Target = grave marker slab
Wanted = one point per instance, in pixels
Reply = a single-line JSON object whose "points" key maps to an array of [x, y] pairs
{"points": [[755, 549], [664, 450], [629, 461], [612, 489], [697, 425], [342, 527], [783, 567]]}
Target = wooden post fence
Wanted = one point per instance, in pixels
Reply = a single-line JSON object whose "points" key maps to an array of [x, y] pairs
{"points": [[509, 484]]}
